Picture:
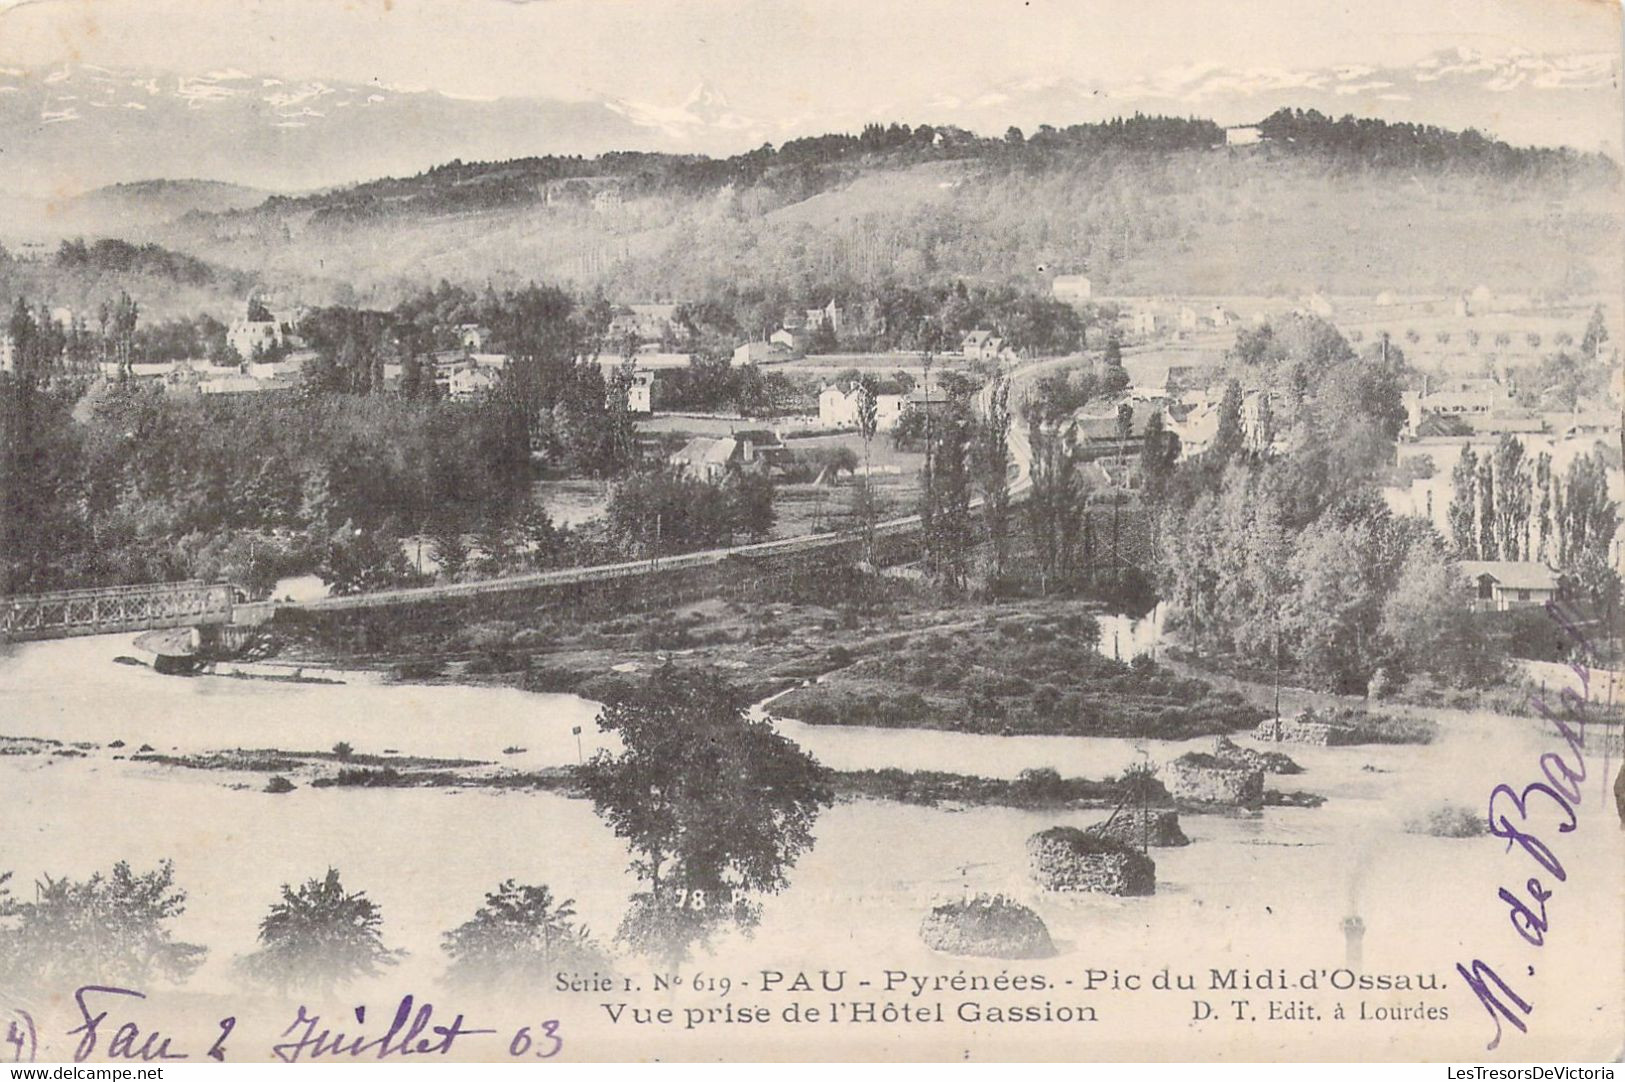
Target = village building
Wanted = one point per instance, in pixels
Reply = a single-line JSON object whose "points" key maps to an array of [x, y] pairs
{"points": [[253, 337], [1499, 585], [1147, 323], [750, 353], [1097, 434], [473, 336], [838, 406], [640, 392], [712, 459], [470, 381], [831, 316], [462, 375], [981, 345], [790, 339], [1243, 135]]}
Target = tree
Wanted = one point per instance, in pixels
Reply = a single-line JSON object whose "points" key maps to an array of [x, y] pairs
{"points": [[1262, 437], [1230, 439], [1332, 619], [357, 560], [1428, 622], [1541, 528], [112, 929], [1488, 547], [714, 806], [1159, 453], [992, 463], [1125, 428], [494, 543], [868, 422], [1464, 505], [1596, 333], [319, 937], [945, 513], [450, 548], [518, 940], [750, 504], [1055, 500], [1114, 351], [1588, 517], [1512, 499]]}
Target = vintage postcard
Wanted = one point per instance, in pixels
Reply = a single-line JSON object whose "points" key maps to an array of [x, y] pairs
{"points": [[860, 530]]}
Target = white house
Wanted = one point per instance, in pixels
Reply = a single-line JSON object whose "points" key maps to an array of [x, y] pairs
{"points": [[981, 345], [1146, 323], [640, 392], [1187, 318], [749, 353], [838, 407], [249, 337], [830, 315], [790, 339], [1508, 584], [1244, 135]]}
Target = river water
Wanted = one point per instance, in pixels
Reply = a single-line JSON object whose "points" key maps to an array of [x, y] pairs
{"points": [[1263, 889]]}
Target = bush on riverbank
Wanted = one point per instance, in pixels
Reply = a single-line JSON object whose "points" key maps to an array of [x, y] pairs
{"points": [[1038, 675], [1447, 821], [1363, 727], [1033, 789]]}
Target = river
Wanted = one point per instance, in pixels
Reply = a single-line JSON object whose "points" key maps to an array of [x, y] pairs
{"points": [[1270, 888]]}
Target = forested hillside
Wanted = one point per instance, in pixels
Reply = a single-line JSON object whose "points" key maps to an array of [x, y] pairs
{"points": [[1141, 205], [82, 276]]}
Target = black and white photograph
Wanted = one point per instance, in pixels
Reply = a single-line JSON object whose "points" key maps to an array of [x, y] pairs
{"points": [[811, 530]]}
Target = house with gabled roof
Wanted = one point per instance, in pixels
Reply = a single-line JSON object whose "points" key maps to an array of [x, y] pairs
{"points": [[1499, 585]]}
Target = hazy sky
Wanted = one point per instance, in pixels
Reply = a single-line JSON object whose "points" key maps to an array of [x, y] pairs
{"points": [[777, 55]]}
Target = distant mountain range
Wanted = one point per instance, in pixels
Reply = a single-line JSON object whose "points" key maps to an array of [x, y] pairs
{"points": [[71, 129]]}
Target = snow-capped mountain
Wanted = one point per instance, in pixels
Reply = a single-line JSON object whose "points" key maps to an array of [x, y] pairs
{"points": [[704, 113], [78, 127]]}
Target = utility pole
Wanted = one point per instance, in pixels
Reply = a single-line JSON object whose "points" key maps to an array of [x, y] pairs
{"points": [[1277, 679]]}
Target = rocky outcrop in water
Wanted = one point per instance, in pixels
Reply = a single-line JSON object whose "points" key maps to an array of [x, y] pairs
{"points": [[1066, 858], [1206, 779], [1270, 762], [1137, 827], [986, 926]]}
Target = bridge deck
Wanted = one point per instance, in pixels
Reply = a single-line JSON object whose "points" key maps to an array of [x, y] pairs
{"points": [[69, 613]]}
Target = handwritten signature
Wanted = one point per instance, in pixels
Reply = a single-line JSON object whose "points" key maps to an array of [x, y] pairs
{"points": [[1537, 806], [107, 1028]]}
